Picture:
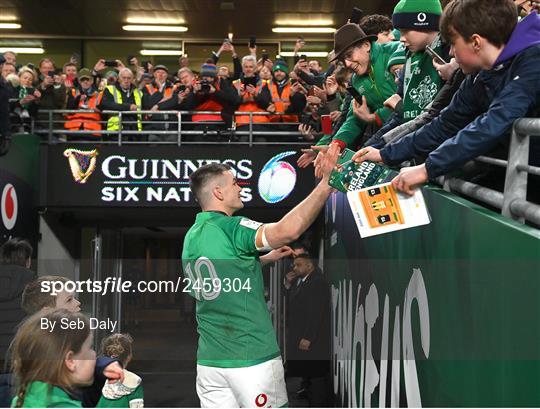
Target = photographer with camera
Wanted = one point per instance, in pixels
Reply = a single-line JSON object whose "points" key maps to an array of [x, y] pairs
{"points": [[84, 97], [254, 96], [213, 94], [123, 96], [53, 91], [106, 69]]}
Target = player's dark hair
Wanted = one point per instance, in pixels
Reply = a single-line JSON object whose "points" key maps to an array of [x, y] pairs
{"points": [[493, 20], [199, 178], [16, 252]]}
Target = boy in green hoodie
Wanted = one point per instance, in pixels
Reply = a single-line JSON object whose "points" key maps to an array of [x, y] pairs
{"points": [[418, 23]]}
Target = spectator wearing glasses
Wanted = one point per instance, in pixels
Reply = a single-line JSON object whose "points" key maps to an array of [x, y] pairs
{"points": [[371, 80]]}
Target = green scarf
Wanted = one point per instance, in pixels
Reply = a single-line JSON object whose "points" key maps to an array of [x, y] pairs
{"points": [[421, 82], [23, 91]]}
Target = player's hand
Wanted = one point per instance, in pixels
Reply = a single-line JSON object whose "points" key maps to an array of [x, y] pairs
{"points": [[278, 254], [326, 161], [114, 372], [409, 179], [369, 153], [307, 158], [304, 344]]}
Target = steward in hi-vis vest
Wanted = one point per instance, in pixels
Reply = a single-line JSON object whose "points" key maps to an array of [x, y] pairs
{"points": [[84, 97]]}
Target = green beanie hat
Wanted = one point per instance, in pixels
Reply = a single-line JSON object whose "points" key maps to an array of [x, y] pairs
{"points": [[421, 15], [281, 66], [398, 57]]}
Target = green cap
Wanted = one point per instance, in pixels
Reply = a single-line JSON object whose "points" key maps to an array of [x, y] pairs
{"points": [[421, 15], [281, 66], [84, 73], [397, 57]]}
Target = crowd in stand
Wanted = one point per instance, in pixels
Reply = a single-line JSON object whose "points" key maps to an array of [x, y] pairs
{"points": [[387, 82]]}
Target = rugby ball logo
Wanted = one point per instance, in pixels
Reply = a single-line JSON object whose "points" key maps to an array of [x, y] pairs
{"points": [[10, 206], [277, 179]]}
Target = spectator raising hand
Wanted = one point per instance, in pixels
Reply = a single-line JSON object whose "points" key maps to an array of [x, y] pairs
{"points": [[331, 85], [100, 65], [362, 112]]}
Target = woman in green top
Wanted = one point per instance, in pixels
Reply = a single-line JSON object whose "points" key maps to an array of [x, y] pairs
{"points": [[26, 94], [129, 392], [49, 363]]}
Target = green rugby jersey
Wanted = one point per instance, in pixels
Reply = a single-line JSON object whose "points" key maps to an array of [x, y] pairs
{"points": [[221, 263]]}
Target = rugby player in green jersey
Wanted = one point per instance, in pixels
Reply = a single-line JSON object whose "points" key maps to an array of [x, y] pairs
{"points": [[238, 359]]}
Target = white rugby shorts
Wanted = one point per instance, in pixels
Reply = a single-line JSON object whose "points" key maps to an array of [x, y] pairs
{"points": [[257, 386]]}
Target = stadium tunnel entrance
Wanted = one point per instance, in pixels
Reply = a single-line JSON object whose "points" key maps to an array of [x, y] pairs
{"points": [[136, 245], [110, 214]]}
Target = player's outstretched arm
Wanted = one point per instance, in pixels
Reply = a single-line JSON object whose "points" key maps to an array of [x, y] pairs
{"points": [[298, 220]]}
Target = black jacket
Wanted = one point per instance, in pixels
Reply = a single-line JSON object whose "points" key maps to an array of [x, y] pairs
{"points": [[13, 279], [309, 318], [5, 94]]}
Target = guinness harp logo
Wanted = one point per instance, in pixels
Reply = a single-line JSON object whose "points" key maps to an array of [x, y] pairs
{"points": [[82, 163]]}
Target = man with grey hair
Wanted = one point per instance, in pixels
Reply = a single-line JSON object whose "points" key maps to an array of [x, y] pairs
{"points": [[255, 97], [123, 96]]}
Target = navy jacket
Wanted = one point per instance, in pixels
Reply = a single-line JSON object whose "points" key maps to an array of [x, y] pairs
{"points": [[483, 110]]}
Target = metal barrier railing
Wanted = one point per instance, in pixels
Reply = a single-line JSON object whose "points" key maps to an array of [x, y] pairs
{"points": [[52, 127], [513, 201]]}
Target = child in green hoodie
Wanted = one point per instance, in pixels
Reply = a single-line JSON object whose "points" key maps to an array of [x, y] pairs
{"points": [[52, 356]]}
